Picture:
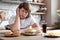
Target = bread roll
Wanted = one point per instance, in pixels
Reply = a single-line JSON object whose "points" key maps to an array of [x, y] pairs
{"points": [[30, 31], [16, 32], [8, 33]]}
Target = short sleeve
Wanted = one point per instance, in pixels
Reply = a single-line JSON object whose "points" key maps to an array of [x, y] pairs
{"points": [[11, 20], [32, 20]]}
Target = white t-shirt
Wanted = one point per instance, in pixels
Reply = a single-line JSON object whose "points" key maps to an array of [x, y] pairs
{"points": [[24, 22]]}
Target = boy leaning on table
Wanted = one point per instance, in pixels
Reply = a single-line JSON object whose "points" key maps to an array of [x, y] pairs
{"points": [[22, 19]]}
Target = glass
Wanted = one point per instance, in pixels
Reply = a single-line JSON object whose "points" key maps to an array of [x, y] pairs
{"points": [[44, 26]]}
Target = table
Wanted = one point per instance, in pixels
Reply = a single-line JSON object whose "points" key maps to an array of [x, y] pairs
{"points": [[22, 37]]}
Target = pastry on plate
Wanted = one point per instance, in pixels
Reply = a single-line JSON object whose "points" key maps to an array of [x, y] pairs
{"points": [[30, 31], [53, 34], [12, 34], [8, 33]]}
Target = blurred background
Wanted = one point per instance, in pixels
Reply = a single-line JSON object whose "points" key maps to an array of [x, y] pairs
{"points": [[40, 9]]}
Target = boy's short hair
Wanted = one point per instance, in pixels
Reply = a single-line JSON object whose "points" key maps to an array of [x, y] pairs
{"points": [[25, 5]]}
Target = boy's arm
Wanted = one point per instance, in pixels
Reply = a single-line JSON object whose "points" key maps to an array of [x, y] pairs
{"points": [[16, 25]]}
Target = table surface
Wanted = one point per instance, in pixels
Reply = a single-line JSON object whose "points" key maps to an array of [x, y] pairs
{"points": [[22, 37]]}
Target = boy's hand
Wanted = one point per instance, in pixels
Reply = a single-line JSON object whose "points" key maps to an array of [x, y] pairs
{"points": [[17, 11]]}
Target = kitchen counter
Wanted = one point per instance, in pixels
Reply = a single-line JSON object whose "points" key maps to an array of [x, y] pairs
{"points": [[22, 37]]}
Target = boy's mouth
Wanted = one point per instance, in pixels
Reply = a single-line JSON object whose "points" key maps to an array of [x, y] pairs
{"points": [[22, 17]]}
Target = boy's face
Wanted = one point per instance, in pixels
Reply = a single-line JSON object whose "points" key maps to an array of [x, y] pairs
{"points": [[23, 13]]}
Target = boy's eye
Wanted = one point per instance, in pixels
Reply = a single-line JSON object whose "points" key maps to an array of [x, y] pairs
{"points": [[22, 10]]}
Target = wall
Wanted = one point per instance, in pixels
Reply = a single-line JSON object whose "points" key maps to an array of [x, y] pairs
{"points": [[58, 4], [52, 6], [48, 15]]}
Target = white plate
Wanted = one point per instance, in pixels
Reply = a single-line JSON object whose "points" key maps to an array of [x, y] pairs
{"points": [[53, 33], [29, 34]]}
